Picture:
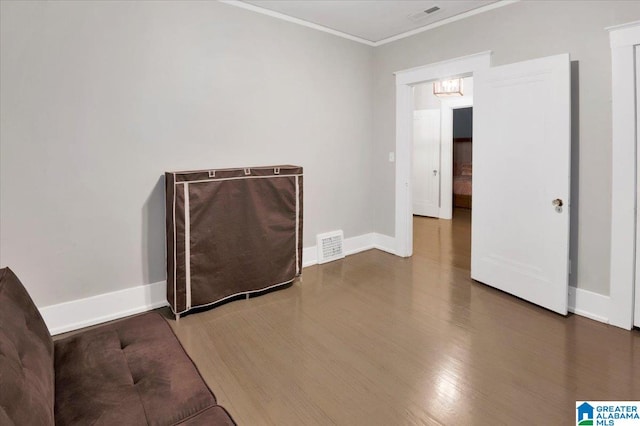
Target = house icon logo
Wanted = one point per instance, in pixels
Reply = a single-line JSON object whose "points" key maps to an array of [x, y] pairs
{"points": [[585, 414]]}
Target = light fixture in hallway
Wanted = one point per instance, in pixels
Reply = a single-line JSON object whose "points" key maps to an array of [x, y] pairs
{"points": [[445, 88]]}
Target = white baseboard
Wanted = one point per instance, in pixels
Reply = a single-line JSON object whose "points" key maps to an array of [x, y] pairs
{"points": [[93, 310], [353, 245], [357, 244], [589, 304], [309, 256]]}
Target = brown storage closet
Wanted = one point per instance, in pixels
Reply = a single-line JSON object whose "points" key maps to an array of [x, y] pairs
{"points": [[231, 232]]}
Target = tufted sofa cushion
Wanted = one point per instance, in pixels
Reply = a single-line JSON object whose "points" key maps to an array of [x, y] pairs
{"points": [[26, 358], [130, 372]]}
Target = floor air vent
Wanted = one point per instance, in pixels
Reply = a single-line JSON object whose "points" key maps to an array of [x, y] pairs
{"points": [[330, 246]]}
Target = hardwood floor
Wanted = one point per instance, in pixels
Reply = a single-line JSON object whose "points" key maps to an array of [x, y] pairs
{"points": [[379, 340]]}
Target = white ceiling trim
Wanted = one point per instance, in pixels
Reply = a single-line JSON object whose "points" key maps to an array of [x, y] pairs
{"points": [[446, 21], [298, 21], [322, 28]]}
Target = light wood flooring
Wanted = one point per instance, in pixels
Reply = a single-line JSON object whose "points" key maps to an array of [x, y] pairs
{"points": [[379, 340]]}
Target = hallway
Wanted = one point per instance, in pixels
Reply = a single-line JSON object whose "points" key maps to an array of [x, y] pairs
{"points": [[444, 241]]}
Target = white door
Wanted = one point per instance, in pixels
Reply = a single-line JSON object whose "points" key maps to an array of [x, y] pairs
{"points": [[426, 162], [636, 314], [521, 173]]}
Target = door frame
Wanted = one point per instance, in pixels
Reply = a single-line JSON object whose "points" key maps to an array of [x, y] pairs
{"points": [[446, 151], [624, 275], [405, 80], [636, 312]]}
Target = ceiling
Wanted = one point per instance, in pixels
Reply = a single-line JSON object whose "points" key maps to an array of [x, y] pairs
{"points": [[372, 21]]}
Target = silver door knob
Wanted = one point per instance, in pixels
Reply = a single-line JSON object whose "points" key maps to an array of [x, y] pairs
{"points": [[435, 172], [557, 202]]}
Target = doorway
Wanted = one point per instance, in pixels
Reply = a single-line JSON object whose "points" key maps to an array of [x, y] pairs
{"points": [[514, 199], [442, 132], [405, 80], [442, 173]]}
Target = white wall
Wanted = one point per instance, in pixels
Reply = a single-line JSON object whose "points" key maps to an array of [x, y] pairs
{"points": [[525, 30], [98, 99]]}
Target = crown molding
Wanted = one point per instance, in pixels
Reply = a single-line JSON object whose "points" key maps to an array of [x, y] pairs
{"points": [[298, 21], [282, 16], [446, 21]]}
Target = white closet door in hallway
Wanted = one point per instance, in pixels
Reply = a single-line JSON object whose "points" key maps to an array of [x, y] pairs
{"points": [[426, 162]]}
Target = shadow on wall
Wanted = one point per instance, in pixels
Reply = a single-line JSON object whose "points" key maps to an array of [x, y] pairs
{"points": [[575, 173], [153, 235]]}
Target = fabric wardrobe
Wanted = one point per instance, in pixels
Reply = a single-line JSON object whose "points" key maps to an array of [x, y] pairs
{"points": [[231, 232]]}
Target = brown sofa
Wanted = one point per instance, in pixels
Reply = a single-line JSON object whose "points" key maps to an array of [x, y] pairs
{"points": [[131, 372]]}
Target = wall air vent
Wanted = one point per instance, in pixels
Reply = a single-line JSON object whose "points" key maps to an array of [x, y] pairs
{"points": [[330, 246]]}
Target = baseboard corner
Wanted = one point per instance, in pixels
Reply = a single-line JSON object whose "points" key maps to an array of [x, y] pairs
{"points": [[384, 243]]}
